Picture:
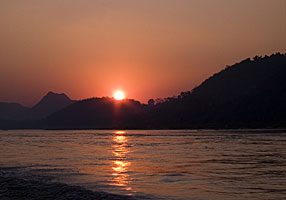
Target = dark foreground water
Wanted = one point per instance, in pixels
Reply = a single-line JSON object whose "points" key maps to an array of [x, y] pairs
{"points": [[161, 164]]}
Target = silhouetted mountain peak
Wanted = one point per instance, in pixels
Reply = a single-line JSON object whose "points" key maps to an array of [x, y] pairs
{"points": [[50, 103], [55, 95], [52, 98]]}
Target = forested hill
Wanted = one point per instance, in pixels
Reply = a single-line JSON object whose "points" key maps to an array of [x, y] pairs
{"points": [[251, 93]]}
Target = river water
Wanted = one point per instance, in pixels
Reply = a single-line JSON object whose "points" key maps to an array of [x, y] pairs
{"points": [[157, 164]]}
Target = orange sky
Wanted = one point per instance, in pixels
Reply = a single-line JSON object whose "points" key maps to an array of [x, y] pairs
{"points": [[147, 48]]}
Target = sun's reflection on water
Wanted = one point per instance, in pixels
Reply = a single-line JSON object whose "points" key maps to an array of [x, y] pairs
{"points": [[120, 165]]}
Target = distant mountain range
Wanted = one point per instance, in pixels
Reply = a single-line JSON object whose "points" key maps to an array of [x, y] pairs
{"points": [[249, 94], [49, 104], [12, 111]]}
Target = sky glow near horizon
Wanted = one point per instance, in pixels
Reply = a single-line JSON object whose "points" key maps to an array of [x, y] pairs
{"points": [[148, 48]]}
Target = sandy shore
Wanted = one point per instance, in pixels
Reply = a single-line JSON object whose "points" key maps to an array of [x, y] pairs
{"points": [[14, 188]]}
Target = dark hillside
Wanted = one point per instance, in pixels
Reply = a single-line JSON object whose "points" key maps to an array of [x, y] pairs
{"points": [[249, 93], [12, 111], [100, 113]]}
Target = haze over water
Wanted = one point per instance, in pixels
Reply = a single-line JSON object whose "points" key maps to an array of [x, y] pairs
{"points": [[177, 164]]}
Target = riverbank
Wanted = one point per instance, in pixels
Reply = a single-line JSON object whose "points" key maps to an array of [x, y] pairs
{"points": [[15, 187]]}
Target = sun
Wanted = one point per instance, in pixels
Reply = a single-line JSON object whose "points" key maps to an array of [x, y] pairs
{"points": [[119, 95]]}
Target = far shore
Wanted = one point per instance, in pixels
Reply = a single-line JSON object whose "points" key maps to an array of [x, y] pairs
{"points": [[154, 129]]}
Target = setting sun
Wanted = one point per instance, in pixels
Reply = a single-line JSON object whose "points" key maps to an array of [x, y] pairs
{"points": [[119, 95]]}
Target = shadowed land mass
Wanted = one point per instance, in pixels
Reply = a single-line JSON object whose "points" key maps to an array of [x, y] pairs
{"points": [[248, 94]]}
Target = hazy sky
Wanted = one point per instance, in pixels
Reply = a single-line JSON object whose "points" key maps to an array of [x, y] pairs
{"points": [[148, 48]]}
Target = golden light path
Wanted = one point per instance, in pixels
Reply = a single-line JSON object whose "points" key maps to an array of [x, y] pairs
{"points": [[120, 165]]}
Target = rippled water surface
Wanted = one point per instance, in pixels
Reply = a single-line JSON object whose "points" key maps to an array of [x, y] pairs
{"points": [[159, 164]]}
